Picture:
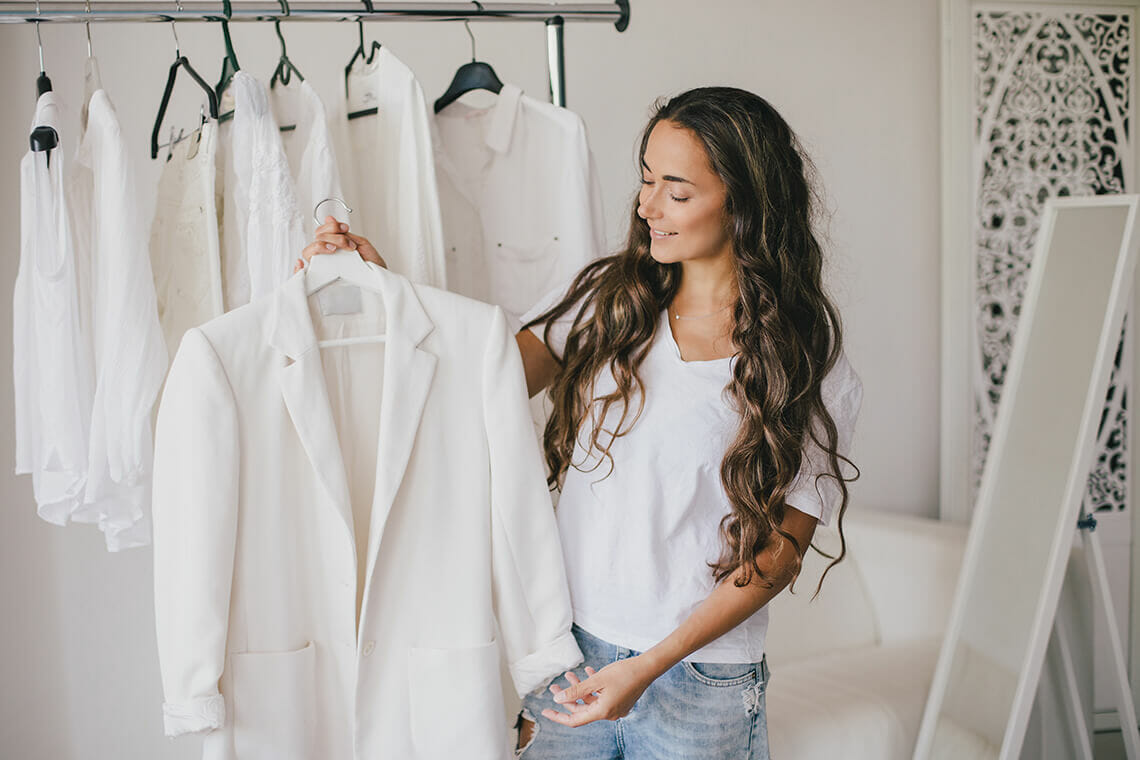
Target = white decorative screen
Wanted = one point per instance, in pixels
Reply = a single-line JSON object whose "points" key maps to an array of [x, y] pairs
{"points": [[1053, 118]]}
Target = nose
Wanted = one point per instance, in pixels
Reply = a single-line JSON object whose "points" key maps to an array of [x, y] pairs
{"points": [[647, 207]]}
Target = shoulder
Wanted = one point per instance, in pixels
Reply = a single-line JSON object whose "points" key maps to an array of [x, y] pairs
{"points": [[460, 322], [443, 303], [240, 324]]}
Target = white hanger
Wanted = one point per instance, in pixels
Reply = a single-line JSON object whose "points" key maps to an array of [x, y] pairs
{"points": [[324, 269]]}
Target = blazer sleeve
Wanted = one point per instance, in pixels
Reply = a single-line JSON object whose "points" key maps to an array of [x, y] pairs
{"points": [[194, 509], [532, 599]]}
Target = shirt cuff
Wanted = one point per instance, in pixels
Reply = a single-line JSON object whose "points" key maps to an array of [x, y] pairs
{"points": [[196, 716], [538, 669]]}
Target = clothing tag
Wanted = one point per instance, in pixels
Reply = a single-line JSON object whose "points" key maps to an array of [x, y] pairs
{"points": [[226, 104], [363, 96], [340, 299]]}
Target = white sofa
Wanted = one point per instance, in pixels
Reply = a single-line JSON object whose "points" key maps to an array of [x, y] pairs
{"points": [[850, 672]]}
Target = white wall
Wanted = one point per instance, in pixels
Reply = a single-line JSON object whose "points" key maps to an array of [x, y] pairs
{"points": [[858, 81]]}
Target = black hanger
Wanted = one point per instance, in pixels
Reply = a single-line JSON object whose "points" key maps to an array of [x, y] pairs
{"points": [[285, 68], [368, 57], [43, 138], [475, 75], [180, 62], [230, 65]]}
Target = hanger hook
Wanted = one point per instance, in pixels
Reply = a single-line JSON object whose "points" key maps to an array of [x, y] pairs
{"points": [[39, 40], [360, 24], [277, 28], [87, 24], [277, 24], [317, 207], [467, 26], [174, 31]]}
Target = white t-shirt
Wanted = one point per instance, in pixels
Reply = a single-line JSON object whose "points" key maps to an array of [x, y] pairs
{"points": [[638, 536]]}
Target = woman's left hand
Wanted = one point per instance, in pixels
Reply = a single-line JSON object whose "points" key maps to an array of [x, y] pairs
{"points": [[608, 694]]}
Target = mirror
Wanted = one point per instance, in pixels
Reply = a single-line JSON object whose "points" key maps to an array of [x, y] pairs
{"points": [[1035, 475]]}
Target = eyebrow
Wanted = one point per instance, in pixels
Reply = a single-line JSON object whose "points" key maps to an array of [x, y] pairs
{"points": [[667, 177]]}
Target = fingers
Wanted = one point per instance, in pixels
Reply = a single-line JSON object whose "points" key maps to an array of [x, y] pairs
{"points": [[331, 225], [586, 691], [587, 715], [336, 240]]}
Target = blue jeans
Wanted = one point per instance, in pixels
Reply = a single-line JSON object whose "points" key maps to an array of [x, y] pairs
{"points": [[694, 711]]}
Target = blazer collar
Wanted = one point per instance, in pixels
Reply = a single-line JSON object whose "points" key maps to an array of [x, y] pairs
{"points": [[292, 330]]}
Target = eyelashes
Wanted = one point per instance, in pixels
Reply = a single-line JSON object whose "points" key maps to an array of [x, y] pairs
{"points": [[674, 197]]}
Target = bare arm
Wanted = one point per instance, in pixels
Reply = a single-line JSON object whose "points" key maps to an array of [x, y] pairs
{"points": [[619, 685], [538, 363]]}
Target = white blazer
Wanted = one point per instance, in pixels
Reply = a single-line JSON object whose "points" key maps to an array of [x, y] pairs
{"points": [[255, 557]]}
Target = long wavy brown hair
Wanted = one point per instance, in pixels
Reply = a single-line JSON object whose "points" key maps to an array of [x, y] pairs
{"points": [[786, 330]]}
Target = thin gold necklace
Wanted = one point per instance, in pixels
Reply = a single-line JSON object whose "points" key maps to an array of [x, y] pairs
{"points": [[701, 316]]}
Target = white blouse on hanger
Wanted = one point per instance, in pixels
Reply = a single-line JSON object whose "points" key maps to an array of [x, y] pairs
{"points": [[127, 344], [184, 253], [391, 178], [520, 196], [51, 364], [308, 147], [259, 199]]}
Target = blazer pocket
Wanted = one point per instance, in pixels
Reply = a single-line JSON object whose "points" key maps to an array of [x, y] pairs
{"points": [[273, 704], [456, 703]]}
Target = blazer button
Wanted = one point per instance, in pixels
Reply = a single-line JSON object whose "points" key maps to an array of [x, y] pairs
{"points": [[369, 647]]}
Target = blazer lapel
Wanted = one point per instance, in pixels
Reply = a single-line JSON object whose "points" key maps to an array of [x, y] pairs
{"points": [[408, 372], [302, 382]]}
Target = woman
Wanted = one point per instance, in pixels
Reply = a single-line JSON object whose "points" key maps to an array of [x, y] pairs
{"points": [[701, 407]]}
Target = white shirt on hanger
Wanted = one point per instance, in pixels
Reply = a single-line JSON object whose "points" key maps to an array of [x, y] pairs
{"points": [[390, 181], [308, 147], [127, 344], [638, 531], [51, 362], [520, 196]]}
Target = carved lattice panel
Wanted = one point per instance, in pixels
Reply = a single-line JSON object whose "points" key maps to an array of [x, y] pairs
{"points": [[1052, 118]]}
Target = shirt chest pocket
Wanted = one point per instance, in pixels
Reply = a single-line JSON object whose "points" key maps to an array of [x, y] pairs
{"points": [[521, 267]]}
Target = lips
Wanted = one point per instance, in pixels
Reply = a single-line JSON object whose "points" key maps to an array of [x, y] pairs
{"points": [[659, 235]]}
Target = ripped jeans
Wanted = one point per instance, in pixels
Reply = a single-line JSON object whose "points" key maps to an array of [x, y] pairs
{"points": [[695, 711]]}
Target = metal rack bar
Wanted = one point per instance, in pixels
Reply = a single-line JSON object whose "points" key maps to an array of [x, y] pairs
{"points": [[269, 10], [556, 61], [11, 12]]}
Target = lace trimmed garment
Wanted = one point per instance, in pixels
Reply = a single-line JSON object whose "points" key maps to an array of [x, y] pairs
{"points": [[184, 253], [261, 229], [308, 147]]}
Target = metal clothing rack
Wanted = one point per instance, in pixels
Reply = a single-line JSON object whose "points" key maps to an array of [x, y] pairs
{"points": [[554, 15]]}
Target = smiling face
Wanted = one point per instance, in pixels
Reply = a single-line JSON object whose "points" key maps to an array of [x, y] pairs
{"points": [[681, 198]]}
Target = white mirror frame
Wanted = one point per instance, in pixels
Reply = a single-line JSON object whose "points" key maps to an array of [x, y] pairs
{"points": [[1108, 304], [958, 338]]}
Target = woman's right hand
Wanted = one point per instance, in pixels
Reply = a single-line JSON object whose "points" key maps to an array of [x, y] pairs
{"points": [[333, 235]]}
